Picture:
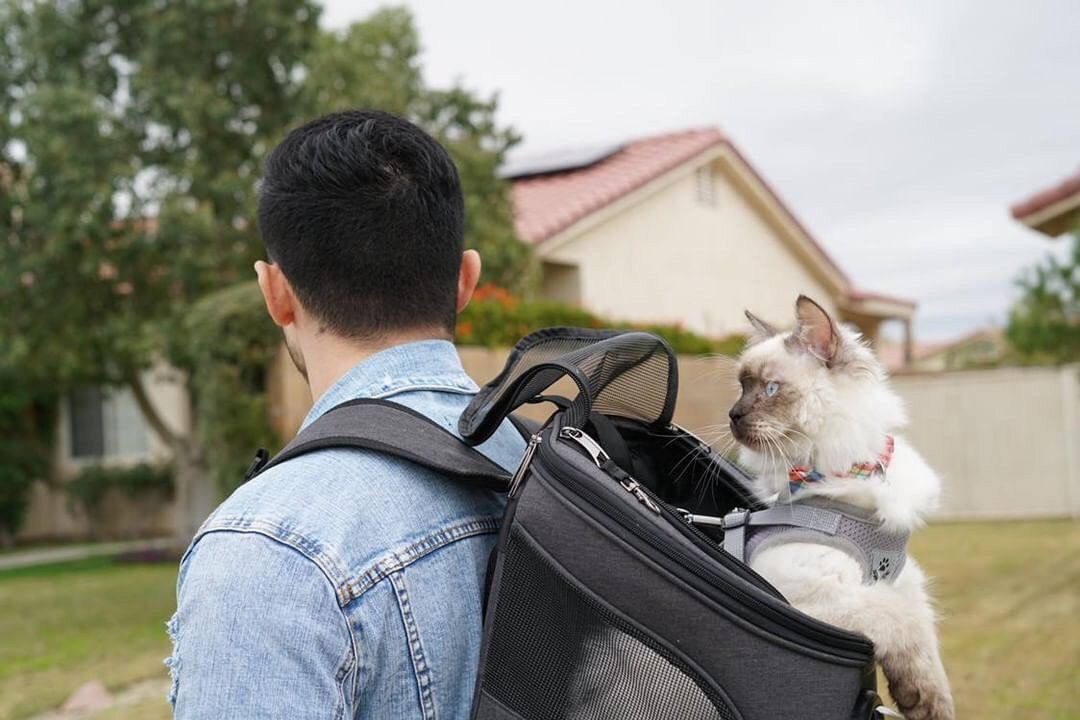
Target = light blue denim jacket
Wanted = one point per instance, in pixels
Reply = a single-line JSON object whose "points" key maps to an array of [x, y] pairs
{"points": [[344, 583]]}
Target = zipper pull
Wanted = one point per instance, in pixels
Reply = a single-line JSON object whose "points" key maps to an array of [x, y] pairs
{"points": [[692, 519], [585, 442], [600, 457], [519, 474], [631, 486]]}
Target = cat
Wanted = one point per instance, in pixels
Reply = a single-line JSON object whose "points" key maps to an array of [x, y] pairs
{"points": [[817, 399]]}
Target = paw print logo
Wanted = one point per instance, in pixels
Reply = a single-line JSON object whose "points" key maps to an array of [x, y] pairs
{"points": [[883, 569]]}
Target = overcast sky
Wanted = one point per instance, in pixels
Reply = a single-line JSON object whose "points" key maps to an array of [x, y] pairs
{"points": [[899, 132]]}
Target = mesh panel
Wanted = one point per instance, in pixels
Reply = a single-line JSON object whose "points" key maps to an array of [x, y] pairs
{"points": [[557, 654], [631, 375]]}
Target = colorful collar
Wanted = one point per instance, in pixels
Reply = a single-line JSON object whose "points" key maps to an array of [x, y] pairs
{"points": [[800, 475]]}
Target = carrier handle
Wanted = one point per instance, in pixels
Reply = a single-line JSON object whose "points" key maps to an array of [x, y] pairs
{"points": [[625, 373]]}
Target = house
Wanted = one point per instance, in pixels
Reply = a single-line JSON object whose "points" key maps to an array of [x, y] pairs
{"points": [[679, 228], [981, 348], [1054, 211]]}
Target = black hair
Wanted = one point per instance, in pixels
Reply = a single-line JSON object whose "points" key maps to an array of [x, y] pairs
{"points": [[363, 212]]}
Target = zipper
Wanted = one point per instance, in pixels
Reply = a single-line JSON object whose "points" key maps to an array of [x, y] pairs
{"points": [[523, 466], [629, 484], [695, 565]]}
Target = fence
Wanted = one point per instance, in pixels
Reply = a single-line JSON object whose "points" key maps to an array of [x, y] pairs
{"points": [[1006, 441]]}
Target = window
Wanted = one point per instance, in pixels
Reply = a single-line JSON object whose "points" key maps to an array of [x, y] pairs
{"points": [[706, 189], [105, 423]]}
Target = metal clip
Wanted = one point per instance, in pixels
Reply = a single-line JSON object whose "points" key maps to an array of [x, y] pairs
{"points": [[631, 486]]}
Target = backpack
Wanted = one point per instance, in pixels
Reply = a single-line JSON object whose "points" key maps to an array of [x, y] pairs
{"points": [[609, 592]]}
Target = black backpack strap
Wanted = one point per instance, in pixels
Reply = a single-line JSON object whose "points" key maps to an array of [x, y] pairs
{"points": [[387, 427]]}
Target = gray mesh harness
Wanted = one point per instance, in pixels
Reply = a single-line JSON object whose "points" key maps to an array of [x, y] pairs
{"points": [[880, 553]]}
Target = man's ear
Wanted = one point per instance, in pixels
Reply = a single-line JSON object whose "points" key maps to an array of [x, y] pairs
{"points": [[467, 278], [762, 329], [280, 300], [815, 331]]}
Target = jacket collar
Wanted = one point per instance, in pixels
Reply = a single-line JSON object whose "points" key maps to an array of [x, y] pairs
{"points": [[422, 365]]}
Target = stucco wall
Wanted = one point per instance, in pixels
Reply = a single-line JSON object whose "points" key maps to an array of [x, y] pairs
{"points": [[673, 258], [1006, 441]]}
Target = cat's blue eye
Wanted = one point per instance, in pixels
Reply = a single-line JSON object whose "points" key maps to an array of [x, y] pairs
{"points": [[771, 387]]}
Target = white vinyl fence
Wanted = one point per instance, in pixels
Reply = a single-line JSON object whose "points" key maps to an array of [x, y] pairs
{"points": [[1006, 441]]}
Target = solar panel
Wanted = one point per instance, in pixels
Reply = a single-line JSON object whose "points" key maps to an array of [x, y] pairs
{"points": [[556, 161]]}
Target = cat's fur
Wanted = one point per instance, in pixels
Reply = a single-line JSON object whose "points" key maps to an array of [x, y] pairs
{"points": [[833, 408]]}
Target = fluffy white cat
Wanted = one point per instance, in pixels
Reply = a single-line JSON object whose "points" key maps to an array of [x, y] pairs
{"points": [[816, 399]]}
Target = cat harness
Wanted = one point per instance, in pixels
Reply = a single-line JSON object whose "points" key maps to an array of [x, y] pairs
{"points": [[880, 553]]}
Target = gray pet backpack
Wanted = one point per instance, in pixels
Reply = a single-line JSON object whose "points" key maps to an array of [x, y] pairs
{"points": [[610, 594]]}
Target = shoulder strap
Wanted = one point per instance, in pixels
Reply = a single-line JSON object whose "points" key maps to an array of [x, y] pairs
{"points": [[394, 429]]}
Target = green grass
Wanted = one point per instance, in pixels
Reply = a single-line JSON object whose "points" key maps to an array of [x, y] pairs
{"points": [[1009, 595], [65, 624]]}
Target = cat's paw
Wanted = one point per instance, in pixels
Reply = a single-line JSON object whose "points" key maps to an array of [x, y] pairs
{"points": [[921, 701]]}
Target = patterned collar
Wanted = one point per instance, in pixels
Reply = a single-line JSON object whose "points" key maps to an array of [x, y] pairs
{"points": [[799, 476]]}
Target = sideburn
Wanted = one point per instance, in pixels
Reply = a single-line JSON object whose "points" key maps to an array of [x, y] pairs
{"points": [[296, 356]]}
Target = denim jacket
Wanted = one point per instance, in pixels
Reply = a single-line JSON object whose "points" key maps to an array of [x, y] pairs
{"points": [[344, 583]]}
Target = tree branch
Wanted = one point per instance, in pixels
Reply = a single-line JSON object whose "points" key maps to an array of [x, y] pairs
{"points": [[153, 417]]}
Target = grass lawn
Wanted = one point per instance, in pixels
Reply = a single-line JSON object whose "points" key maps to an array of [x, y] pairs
{"points": [[1009, 594], [66, 624]]}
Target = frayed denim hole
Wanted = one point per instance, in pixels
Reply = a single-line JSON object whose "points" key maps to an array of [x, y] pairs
{"points": [[173, 661]]}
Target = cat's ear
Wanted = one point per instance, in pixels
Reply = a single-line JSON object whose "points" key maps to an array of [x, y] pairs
{"points": [[762, 329], [815, 331]]}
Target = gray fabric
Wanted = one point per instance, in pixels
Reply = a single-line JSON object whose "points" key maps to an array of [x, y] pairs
{"points": [[385, 426], [880, 553]]}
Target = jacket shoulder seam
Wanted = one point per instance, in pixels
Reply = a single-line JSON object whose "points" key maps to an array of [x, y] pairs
{"points": [[397, 560]]}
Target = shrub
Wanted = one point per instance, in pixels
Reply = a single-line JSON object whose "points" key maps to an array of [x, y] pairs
{"points": [[496, 318], [27, 423], [232, 342], [136, 482], [146, 485]]}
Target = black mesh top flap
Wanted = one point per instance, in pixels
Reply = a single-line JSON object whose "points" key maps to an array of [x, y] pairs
{"points": [[627, 374]]}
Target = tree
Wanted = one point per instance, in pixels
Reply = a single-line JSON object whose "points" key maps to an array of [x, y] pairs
{"points": [[1045, 323], [131, 137]]}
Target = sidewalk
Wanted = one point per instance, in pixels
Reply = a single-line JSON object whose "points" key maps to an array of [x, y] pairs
{"points": [[66, 553]]}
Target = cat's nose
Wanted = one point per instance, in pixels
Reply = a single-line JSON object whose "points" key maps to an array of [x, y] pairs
{"points": [[736, 414]]}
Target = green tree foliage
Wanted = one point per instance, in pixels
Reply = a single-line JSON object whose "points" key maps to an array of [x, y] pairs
{"points": [[233, 342], [381, 58], [131, 138], [27, 420], [1044, 325]]}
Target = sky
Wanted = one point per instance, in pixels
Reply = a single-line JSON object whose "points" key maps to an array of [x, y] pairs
{"points": [[898, 132]]}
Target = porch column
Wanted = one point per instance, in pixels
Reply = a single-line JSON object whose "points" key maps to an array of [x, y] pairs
{"points": [[908, 349]]}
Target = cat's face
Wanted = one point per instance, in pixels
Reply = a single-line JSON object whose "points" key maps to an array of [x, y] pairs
{"points": [[773, 394], [793, 382]]}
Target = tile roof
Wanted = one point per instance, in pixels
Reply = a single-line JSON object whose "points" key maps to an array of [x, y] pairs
{"points": [[1040, 201], [544, 205]]}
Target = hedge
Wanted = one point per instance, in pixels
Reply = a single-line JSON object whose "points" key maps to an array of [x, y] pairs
{"points": [[93, 482], [496, 318]]}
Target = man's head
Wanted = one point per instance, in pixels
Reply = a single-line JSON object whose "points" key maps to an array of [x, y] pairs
{"points": [[362, 216]]}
